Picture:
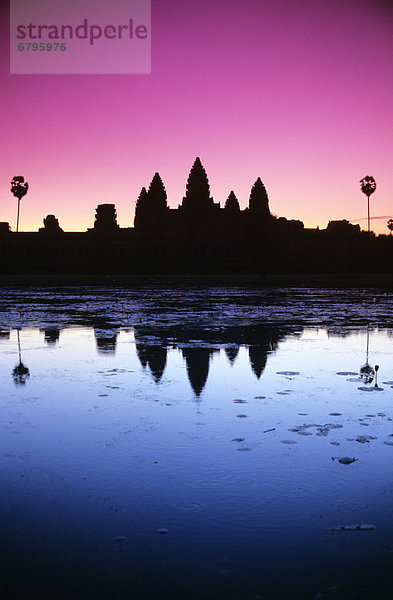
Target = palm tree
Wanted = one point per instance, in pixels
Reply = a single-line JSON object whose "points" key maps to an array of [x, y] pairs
{"points": [[368, 186], [390, 225], [20, 372], [19, 188], [367, 372]]}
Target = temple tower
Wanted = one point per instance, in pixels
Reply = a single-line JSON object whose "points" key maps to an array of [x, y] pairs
{"points": [[106, 219], [197, 203], [259, 201]]}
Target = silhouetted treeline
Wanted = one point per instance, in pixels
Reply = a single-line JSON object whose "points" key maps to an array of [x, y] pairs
{"points": [[197, 237]]}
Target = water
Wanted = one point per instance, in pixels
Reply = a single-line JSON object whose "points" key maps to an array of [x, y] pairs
{"points": [[186, 443]]}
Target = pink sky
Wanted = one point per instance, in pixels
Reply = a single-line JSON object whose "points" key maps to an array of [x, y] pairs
{"points": [[298, 92]]}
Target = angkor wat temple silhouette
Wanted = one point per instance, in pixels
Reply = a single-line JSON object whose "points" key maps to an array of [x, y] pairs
{"points": [[197, 237]]}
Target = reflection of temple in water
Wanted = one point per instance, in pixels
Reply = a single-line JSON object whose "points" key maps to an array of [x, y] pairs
{"points": [[51, 335], [261, 341], [232, 352], [197, 363], [153, 356], [106, 339], [258, 359], [197, 347]]}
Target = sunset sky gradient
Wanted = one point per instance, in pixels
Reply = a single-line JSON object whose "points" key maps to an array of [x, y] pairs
{"points": [[298, 92]]}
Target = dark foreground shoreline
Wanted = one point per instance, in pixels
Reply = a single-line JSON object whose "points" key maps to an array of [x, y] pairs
{"points": [[331, 280]]}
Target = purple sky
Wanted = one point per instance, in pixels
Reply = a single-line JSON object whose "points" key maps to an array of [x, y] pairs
{"points": [[298, 92]]}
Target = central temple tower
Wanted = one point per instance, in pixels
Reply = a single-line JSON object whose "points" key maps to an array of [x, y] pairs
{"points": [[197, 203]]}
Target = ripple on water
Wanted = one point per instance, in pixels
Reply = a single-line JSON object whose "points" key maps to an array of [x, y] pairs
{"points": [[191, 506], [347, 373], [288, 373], [364, 388]]}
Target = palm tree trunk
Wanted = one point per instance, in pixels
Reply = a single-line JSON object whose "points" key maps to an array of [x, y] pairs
{"points": [[368, 212], [20, 358], [17, 217], [368, 343]]}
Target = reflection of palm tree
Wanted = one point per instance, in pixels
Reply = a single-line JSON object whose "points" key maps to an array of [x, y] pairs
{"points": [[19, 188], [368, 186], [20, 372], [367, 372], [376, 376]]}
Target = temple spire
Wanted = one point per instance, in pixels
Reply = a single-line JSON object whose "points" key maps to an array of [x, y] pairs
{"points": [[259, 201], [141, 208], [232, 203], [157, 194], [151, 207], [197, 200]]}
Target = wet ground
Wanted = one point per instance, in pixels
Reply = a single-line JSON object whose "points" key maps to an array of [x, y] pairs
{"points": [[217, 443], [206, 306]]}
